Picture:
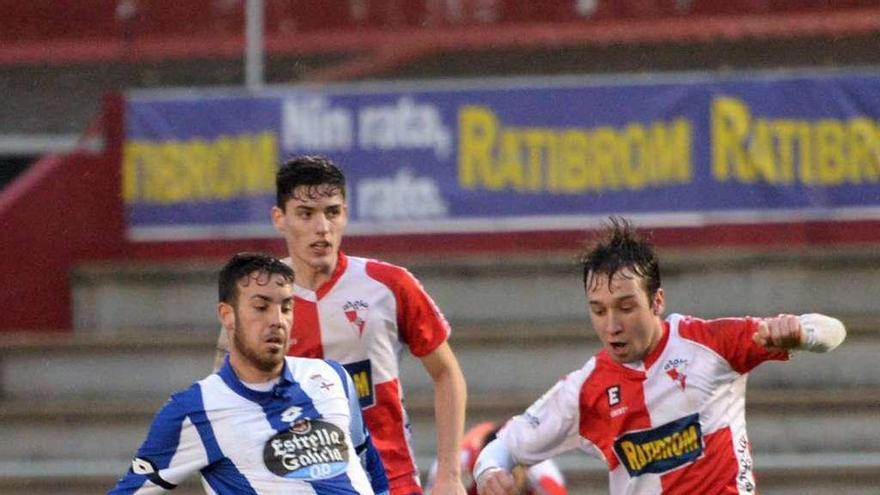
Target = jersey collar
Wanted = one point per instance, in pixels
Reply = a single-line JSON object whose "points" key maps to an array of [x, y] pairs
{"points": [[341, 265], [227, 374]]}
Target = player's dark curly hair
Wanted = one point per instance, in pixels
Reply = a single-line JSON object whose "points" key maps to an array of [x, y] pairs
{"points": [[621, 247], [320, 174], [255, 266]]}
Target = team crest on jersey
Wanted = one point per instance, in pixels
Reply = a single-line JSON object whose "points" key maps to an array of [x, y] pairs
{"points": [[291, 413], [675, 369], [661, 449], [324, 384], [356, 313], [309, 450]]}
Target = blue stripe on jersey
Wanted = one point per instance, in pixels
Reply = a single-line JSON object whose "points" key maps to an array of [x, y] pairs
{"points": [[337, 485], [160, 445], [360, 438], [193, 402], [294, 395], [225, 478], [286, 388]]}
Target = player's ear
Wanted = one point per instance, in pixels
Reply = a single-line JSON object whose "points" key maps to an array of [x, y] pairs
{"points": [[278, 218], [658, 305], [226, 315]]}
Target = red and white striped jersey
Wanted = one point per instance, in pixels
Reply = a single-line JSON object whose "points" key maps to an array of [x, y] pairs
{"points": [[671, 424], [363, 317]]}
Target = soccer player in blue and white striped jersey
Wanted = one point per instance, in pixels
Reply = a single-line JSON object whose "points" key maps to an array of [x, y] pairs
{"points": [[264, 423]]}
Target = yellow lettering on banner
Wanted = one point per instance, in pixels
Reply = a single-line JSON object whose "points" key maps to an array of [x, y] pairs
{"points": [[477, 128], [829, 156], [730, 124], [199, 170], [825, 152], [671, 148], [863, 157], [570, 161], [573, 173]]}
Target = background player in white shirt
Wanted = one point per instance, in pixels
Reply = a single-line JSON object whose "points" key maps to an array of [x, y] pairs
{"points": [[363, 313], [265, 423], [663, 403]]}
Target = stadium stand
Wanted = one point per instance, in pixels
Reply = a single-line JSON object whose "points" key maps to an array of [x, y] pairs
{"points": [[67, 428]]}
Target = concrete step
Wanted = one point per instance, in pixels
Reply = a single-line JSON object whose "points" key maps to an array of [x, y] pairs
{"points": [[780, 421], [495, 357], [108, 297]]}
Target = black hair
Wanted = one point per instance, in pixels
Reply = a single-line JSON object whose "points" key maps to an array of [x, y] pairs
{"points": [[320, 174], [244, 265], [621, 247]]}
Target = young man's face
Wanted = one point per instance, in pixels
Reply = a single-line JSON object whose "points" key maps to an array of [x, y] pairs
{"points": [[261, 320], [312, 224], [626, 321]]}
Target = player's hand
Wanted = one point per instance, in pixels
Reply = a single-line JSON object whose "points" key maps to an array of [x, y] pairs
{"points": [[496, 481], [448, 486], [783, 332]]}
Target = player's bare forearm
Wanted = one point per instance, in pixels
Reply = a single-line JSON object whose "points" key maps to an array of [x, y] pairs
{"points": [[450, 398]]}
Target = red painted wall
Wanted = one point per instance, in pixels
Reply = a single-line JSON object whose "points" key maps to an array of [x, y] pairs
{"points": [[62, 210]]}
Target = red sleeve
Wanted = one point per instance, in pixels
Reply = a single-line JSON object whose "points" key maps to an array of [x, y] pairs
{"points": [[420, 324], [731, 338], [549, 486]]}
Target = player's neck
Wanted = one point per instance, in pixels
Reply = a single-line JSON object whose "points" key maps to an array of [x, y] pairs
{"points": [[309, 276], [247, 372]]}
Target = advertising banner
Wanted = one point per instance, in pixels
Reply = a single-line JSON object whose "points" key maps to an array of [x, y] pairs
{"points": [[502, 155]]}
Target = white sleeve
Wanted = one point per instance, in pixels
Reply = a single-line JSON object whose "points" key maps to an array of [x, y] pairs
{"points": [[549, 427], [821, 333], [546, 469]]}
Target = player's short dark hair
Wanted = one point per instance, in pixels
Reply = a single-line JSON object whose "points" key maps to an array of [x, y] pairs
{"points": [[320, 174], [244, 265], [620, 247]]}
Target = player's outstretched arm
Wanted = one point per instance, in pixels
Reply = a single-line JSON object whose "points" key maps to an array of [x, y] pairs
{"points": [[812, 332], [492, 470]]}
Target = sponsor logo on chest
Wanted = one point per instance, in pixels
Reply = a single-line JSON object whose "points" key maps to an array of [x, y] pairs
{"points": [[310, 450], [661, 449], [356, 314]]}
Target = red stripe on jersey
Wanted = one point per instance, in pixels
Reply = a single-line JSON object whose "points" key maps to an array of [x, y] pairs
{"points": [[420, 324], [714, 472], [612, 402], [385, 422], [549, 486], [305, 334], [731, 338]]}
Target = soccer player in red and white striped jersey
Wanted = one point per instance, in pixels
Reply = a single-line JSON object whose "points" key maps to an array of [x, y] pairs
{"points": [[363, 313], [663, 403]]}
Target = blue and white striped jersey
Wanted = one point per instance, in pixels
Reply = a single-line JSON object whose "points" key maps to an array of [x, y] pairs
{"points": [[305, 436]]}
